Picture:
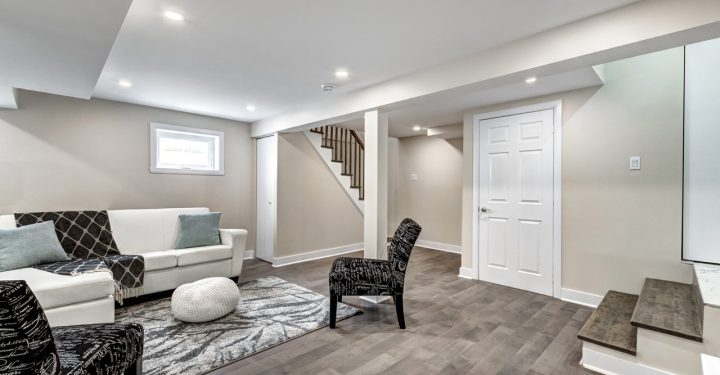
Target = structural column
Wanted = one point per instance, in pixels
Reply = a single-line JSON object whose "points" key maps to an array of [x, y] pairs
{"points": [[376, 184]]}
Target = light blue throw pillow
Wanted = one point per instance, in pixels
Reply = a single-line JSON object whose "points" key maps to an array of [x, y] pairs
{"points": [[30, 245], [199, 230]]}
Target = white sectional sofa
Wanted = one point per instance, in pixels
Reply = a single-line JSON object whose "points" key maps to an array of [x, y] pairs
{"points": [[87, 298]]}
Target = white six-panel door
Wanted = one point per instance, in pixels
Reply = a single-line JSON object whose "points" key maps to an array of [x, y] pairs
{"points": [[516, 201]]}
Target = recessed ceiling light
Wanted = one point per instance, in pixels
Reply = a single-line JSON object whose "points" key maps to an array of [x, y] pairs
{"points": [[124, 83], [328, 87], [342, 73], [417, 128], [174, 16], [531, 80], [250, 108]]}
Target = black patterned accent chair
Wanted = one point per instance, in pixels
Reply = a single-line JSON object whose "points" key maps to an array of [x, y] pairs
{"points": [[29, 346], [375, 277]]}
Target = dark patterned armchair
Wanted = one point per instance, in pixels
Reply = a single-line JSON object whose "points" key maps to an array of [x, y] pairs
{"points": [[375, 277], [29, 346]]}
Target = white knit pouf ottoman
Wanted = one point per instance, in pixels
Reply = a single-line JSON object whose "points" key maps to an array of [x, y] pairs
{"points": [[205, 300]]}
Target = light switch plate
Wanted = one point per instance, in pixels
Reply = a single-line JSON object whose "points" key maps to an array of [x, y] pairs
{"points": [[413, 177], [634, 163]]}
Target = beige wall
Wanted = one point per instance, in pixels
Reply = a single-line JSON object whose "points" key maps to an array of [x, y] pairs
{"points": [[59, 153], [618, 226], [313, 212], [435, 199]]}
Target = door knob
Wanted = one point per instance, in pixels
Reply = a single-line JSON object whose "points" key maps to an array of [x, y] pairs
{"points": [[484, 209]]}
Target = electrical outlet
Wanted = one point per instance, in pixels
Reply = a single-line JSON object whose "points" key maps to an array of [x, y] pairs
{"points": [[413, 177], [634, 163]]}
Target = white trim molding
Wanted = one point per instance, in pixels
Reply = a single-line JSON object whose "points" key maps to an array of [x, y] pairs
{"points": [[600, 362], [457, 249], [317, 254], [580, 298], [218, 149], [556, 106], [249, 254], [375, 299], [467, 273]]}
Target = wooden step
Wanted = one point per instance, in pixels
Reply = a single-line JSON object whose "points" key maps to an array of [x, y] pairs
{"points": [[609, 325], [668, 307]]}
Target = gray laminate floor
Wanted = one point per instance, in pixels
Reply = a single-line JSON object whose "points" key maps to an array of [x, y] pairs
{"points": [[454, 326]]}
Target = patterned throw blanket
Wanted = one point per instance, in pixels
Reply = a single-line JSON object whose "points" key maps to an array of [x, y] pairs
{"points": [[87, 238]]}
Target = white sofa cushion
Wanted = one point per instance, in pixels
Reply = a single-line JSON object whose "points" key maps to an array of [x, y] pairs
{"points": [[54, 290], [203, 254], [7, 222], [159, 260], [146, 230]]}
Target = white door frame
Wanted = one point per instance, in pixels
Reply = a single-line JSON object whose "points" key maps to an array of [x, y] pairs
{"points": [[556, 106]]}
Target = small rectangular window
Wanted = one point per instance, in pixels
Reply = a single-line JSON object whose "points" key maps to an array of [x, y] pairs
{"points": [[181, 150]]}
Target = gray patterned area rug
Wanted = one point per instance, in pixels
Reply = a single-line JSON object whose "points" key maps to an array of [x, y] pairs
{"points": [[271, 311]]}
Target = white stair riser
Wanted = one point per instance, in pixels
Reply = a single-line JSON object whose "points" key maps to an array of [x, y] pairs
{"points": [[610, 362]]}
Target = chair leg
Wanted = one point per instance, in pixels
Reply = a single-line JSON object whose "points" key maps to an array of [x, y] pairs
{"points": [[333, 310], [399, 309], [339, 298], [135, 368]]}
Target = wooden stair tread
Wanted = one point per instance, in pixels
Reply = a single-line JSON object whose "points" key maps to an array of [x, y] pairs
{"points": [[609, 325], [668, 307]]}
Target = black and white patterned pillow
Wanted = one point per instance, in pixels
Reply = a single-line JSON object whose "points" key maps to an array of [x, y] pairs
{"points": [[82, 234]]}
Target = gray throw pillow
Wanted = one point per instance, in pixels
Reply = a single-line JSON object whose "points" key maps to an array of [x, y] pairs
{"points": [[30, 245], [199, 230]]}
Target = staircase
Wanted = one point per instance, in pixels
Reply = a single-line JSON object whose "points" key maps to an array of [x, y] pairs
{"points": [[659, 331], [344, 152]]}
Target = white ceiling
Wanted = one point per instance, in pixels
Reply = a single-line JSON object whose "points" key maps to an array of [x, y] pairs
{"points": [[57, 47], [275, 54], [449, 109]]}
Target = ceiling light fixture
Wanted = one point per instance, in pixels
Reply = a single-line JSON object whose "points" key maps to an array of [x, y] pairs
{"points": [[342, 73], [417, 128], [327, 87], [531, 80], [174, 16], [250, 108], [124, 83]]}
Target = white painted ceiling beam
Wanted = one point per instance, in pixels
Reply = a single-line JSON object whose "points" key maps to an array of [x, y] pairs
{"points": [[56, 47], [446, 132], [7, 98], [639, 28]]}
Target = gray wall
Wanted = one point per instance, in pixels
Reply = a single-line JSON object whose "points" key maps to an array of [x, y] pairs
{"points": [[618, 226], [314, 212], [435, 199], [59, 153]]}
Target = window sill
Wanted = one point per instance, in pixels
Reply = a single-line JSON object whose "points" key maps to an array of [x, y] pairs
{"points": [[187, 172]]}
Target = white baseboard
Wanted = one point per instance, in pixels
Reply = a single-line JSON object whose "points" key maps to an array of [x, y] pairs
{"points": [[439, 246], [318, 254], [375, 299], [249, 254], [610, 365], [581, 298], [467, 273]]}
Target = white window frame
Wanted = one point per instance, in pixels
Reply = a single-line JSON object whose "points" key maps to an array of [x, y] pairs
{"points": [[220, 152]]}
